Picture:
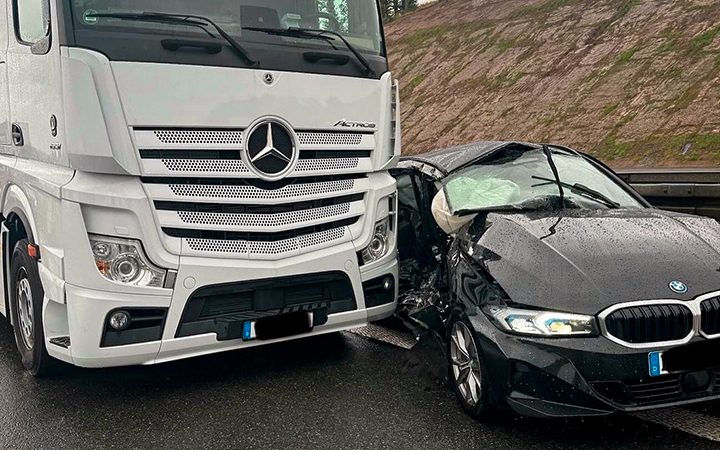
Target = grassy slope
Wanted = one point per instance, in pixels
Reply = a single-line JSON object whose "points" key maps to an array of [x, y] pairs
{"points": [[635, 82]]}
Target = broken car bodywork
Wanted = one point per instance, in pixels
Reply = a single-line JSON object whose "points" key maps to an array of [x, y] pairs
{"points": [[578, 261]]}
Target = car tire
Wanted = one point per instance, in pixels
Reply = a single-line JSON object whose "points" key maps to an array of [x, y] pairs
{"points": [[466, 369], [27, 294]]}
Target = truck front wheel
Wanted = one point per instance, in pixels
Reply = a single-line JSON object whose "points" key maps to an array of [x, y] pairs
{"points": [[27, 300]]}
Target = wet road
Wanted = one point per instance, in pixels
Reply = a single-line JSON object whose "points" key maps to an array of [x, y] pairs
{"points": [[338, 391]]}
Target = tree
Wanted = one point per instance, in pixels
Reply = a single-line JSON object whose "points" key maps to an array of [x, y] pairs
{"points": [[394, 8]]}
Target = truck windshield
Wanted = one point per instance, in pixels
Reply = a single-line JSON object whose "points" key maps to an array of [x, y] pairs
{"points": [[131, 30]]}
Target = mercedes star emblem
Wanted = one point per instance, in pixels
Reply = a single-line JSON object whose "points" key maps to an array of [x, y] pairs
{"points": [[271, 150]]}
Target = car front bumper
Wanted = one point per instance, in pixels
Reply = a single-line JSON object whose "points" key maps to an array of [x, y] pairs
{"points": [[559, 377]]}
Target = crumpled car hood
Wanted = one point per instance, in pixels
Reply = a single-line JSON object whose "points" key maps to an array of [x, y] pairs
{"points": [[583, 261]]}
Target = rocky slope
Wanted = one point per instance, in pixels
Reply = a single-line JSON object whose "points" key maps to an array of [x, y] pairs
{"points": [[635, 82]]}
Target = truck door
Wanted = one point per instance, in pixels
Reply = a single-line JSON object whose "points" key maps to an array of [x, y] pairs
{"points": [[33, 61], [5, 142], [7, 158]]}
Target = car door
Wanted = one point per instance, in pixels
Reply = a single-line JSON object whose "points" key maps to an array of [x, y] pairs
{"points": [[421, 243]]}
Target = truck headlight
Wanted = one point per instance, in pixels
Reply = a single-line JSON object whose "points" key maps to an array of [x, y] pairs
{"points": [[380, 243], [123, 261], [543, 323]]}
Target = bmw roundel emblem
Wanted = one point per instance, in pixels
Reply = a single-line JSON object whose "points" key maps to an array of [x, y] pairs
{"points": [[678, 287]]}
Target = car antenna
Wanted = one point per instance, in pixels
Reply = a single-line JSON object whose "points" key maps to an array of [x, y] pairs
{"points": [[553, 167]]}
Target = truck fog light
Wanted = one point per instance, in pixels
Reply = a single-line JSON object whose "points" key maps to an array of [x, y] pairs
{"points": [[380, 243], [388, 283], [124, 261], [120, 320]]}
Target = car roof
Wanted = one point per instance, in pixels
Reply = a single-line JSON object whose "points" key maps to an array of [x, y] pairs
{"points": [[448, 160]]}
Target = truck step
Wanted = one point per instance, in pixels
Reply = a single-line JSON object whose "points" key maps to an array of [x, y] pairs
{"points": [[62, 341], [387, 335]]}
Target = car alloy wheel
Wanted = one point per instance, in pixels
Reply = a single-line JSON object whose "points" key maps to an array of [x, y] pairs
{"points": [[25, 309], [465, 364]]}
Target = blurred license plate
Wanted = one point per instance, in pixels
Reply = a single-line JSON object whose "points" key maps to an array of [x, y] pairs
{"points": [[655, 364], [278, 326]]}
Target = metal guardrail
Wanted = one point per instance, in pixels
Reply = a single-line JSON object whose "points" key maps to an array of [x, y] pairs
{"points": [[692, 191]]}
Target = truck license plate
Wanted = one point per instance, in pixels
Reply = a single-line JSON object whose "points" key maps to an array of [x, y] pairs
{"points": [[278, 326]]}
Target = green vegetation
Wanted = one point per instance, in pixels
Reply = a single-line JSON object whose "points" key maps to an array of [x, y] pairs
{"points": [[610, 149], [685, 99], [627, 55], [426, 36], [670, 42], [543, 9], [505, 44], [609, 109], [704, 148], [702, 40], [410, 87], [673, 73], [515, 77], [623, 8], [422, 37]]}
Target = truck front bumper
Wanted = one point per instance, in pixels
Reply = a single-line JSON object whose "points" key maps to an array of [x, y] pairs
{"points": [[88, 309]]}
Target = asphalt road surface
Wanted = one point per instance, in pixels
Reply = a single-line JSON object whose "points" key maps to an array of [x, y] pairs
{"points": [[337, 391]]}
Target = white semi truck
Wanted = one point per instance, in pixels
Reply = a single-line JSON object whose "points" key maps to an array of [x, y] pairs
{"points": [[181, 178]]}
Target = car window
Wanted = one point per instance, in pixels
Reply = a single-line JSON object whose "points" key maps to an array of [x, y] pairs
{"points": [[516, 177], [32, 20]]}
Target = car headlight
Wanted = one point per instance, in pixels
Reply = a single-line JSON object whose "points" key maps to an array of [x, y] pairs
{"points": [[123, 261], [380, 243], [543, 323]]}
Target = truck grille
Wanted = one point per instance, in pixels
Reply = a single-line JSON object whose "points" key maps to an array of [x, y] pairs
{"points": [[176, 136], [650, 323], [204, 194]]}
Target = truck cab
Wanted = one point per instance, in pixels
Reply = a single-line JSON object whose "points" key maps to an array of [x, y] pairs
{"points": [[184, 178]]}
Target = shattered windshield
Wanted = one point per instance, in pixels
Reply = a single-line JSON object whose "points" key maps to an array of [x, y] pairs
{"points": [[517, 178]]}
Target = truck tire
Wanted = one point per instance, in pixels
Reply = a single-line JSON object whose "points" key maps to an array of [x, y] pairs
{"points": [[26, 298]]}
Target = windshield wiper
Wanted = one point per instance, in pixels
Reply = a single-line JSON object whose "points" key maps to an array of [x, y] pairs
{"points": [[183, 19], [554, 169], [585, 191], [313, 33]]}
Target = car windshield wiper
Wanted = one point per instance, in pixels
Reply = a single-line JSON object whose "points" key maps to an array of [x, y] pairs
{"points": [[553, 167], [313, 33], [183, 19], [585, 191]]}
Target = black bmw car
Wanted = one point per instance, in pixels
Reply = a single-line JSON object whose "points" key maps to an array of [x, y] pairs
{"points": [[557, 289]]}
